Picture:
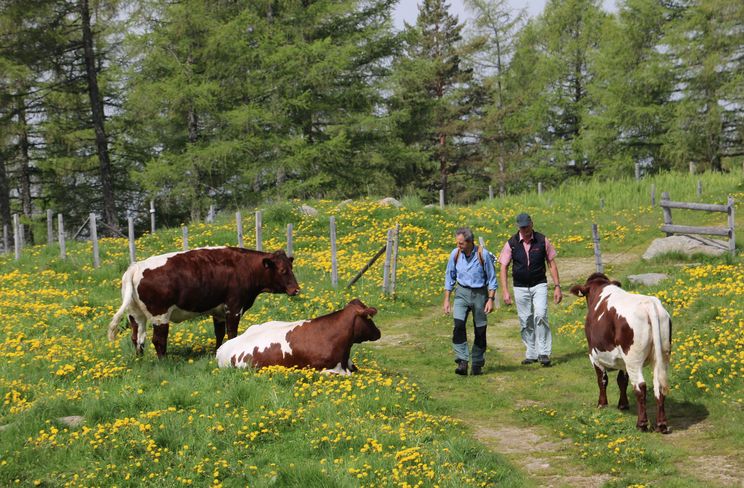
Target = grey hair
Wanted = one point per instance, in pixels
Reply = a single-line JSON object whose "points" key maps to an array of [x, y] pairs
{"points": [[466, 233]]}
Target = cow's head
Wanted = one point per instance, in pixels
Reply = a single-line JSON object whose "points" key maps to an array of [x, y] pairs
{"points": [[281, 279], [596, 281], [364, 329]]}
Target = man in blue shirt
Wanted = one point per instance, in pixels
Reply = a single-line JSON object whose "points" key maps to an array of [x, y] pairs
{"points": [[471, 269]]}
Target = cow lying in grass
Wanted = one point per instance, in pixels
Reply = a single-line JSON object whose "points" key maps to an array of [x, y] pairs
{"points": [[625, 332], [323, 343]]}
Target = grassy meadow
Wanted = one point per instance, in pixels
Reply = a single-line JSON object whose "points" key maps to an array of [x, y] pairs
{"points": [[405, 419]]}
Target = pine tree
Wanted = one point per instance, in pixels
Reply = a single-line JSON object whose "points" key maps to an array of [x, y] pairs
{"points": [[433, 91], [552, 69], [705, 43], [495, 30], [630, 94]]}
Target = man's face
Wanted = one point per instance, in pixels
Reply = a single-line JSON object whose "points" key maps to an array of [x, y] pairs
{"points": [[526, 231], [463, 245]]}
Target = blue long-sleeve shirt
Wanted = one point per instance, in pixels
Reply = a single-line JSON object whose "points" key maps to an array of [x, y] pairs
{"points": [[469, 272]]}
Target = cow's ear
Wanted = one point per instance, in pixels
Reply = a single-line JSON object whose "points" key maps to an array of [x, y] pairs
{"points": [[616, 283], [268, 263], [291, 259], [369, 312], [579, 290]]}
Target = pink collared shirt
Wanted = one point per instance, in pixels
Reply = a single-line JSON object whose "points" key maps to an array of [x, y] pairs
{"points": [[506, 254]]}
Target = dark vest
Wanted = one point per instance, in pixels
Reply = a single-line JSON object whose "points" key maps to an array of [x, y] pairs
{"points": [[523, 275]]}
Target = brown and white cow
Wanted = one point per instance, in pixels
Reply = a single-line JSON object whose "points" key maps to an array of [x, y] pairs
{"points": [[323, 343], [626, 331], [219, 281]]}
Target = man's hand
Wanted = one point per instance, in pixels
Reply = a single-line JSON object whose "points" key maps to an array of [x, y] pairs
{"points": [[489, 306], [446, 306], [507, 298], [557, 295]]}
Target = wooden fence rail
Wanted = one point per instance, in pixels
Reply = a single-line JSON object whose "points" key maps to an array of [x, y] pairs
{"points": [[667, 205]]}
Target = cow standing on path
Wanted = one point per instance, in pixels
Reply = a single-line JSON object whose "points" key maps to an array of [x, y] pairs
{"points": [[222, 282], [626, 331], [323, 343]]}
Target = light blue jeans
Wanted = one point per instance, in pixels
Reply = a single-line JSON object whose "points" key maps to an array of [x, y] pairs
{"points": [[532, 309]]}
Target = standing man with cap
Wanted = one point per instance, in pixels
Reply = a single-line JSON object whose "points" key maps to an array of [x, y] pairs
{"points": [[471, 268], [528, 251]]}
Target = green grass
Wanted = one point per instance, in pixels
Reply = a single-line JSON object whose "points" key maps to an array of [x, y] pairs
{"points": [[405, 417]]}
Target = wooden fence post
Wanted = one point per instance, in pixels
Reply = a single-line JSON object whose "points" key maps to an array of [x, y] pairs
{"points": [[653, 195], [394, 259], [132, 249], [699, 188], [367, 266], [539, 188], [638, 171], [386, 267], [441, 198], [490, 192], [334, 261], [601, 203], [50, 227], [732, 237], [239, 226], [259, 231], [666, 211], [692, 167], [597, 252], [17, 237], [290, 249], [152, 216], [185, 233], [61, 236], [94, 240], [210, 215], [482, 244]]}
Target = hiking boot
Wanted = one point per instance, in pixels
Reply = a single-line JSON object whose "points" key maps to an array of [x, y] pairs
{"points": [[476, 370], [544, 360], [529, 361], [462, 367]]}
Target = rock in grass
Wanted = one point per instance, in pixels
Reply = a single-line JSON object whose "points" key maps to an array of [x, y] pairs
{"points": [[647, 279], [687, 245]]}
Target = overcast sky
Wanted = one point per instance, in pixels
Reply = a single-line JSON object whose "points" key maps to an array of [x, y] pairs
{"points": [[407, 10]]}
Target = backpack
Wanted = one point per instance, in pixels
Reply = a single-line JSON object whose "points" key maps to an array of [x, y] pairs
{"points": [[480, 257]]}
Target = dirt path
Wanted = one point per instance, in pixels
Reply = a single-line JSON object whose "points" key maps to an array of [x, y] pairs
{"points": [[544, 458]]}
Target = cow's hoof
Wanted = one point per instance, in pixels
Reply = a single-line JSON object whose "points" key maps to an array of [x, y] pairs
{"points": [[601, 405], [642, 427], [623, 406], [663, 429]]}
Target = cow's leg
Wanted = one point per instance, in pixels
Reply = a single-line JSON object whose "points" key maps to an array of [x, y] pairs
{"points": [[602, 383], [139, 331], [219, 330], [635, 376], [661, 419], [622, 383], [232, 317], [135, 332], [160, 339], [640, 392]]}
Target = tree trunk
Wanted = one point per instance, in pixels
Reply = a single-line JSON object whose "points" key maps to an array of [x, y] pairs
{"points": [[96, 105], [4, 196], [443, 164], [25, 176]]}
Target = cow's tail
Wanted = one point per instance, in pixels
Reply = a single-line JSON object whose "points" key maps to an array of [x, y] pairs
{"points": [[662, 347], [127, 289]]}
